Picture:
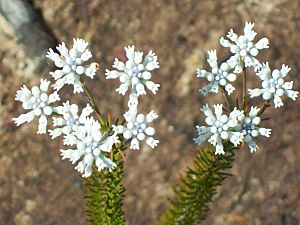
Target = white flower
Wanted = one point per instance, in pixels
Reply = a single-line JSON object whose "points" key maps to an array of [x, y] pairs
{"points": [[217, 77], [69, 122], [137, 130], [73, 64], [39, 102], [243, 47], [133, 102], [273, 85], [219, 128], [90, 148], [135, 73], [249, 126]]}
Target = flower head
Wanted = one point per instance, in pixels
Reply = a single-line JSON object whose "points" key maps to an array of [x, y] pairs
{"points": [[243, 47], [220, 128], [69, 122], [39, 102], [90, 148], [217, 77], [137, 130], [72, 64], [135, 73], [249, 126], [273, 85]]}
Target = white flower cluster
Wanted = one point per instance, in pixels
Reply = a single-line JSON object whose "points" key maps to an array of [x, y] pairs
{"points": [[135, 74], [90, 145], [244, 52], [240, 126], [243, 48], [218, 76], [249, 127], [79, 130], [273, 85], [69, 121], [39, 102], [220, 128], [72, 64], [235, 128]]}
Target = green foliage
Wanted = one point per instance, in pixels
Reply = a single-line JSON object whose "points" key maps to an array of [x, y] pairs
{"points": [[196, 190], [106, 193]]}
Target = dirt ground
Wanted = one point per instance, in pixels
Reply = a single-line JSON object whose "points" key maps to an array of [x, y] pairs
{"points": [[38, 188]]}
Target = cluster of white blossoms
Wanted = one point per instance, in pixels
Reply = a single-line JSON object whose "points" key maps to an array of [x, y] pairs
{"points": [[244, 55], [90, 144], [218, 76], [69, 121], [135, 74], [273, 85], [39, 102], [137, 129], [72, 64], [240, 125], [249, 127], [243, 48], [220, 128]]}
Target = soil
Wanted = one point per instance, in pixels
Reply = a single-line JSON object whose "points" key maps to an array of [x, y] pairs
{"points": [[38, 188]]}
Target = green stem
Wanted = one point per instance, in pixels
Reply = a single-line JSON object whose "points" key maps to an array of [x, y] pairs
{"points": [[56, 114], [227, 99], [92, 101], [106, 193], [196, 190], [244, 97], [265, 106], [105, 189]]}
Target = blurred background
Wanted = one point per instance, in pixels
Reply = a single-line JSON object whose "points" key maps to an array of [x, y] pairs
{"points": [[38, 188]]}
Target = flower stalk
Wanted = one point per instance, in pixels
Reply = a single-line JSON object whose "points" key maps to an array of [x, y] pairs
{"points": [[92, 102], [105, 194], [227, 99], [244, 89], [265, 106], [197, 188]]}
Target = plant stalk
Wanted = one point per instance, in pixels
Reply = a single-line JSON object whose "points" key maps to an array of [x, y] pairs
{"points": [[106, 193], [197, 188], [265, 106], [92, 101], [227, 99], [244, 97]]}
